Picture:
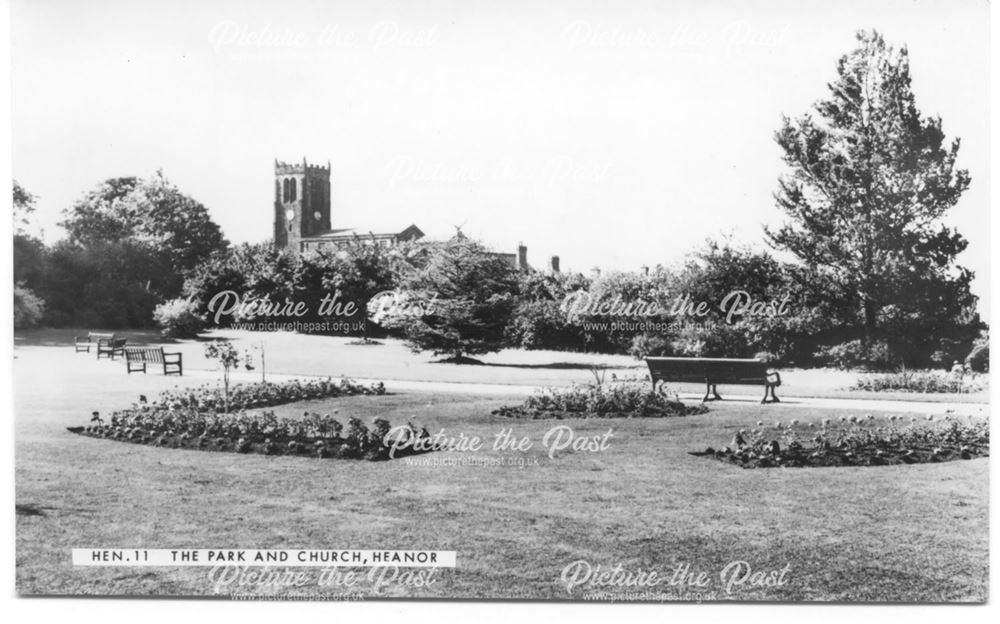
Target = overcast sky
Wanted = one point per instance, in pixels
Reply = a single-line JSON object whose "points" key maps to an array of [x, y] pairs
{"points": [[613, 134]]}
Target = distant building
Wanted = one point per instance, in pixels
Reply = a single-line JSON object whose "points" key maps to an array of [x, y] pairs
{"points": [[518, 260], [336, 238], [302, 216], [303, 220]]}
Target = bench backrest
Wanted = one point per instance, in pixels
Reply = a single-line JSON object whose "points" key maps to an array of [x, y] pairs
{"points": [[118, 343], [144, 354], [97, 337], [704, 369]]}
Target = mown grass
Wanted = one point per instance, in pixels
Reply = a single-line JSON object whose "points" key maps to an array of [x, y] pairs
{"points": [[899, 533]]}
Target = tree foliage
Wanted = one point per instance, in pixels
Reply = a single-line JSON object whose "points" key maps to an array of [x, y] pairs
{"points": [[458, 303], [539, 320], [351, 275], [28, 308], [870, 179], [151, 212], [108, 285], [249, 270], [130, 242], [24, 206], [179, 318]]}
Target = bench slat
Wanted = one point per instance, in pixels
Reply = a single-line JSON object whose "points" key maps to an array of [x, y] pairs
{"points": [[136, 359]]}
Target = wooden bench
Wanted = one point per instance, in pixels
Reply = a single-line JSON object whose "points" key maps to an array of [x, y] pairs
{"points": [[713, 371], [111, 348], [92, 339], [136, 359]]}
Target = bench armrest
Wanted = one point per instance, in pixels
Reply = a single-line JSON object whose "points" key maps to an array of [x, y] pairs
{"points": [[171, 355], [773, 378]]}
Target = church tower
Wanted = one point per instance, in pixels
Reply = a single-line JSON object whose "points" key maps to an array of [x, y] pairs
{"points": [[301, 202]]}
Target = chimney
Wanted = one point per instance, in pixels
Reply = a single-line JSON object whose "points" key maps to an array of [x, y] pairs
{"points": [[644, 269], [522, 257], [555, 264], [595, 272]]}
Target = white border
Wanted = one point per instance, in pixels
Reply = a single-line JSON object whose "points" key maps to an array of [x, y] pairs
{"points": [[147, 611]]}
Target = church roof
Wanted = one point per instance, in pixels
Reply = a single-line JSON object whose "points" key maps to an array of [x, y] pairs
{"points": [[329, 233], [346, 233]]}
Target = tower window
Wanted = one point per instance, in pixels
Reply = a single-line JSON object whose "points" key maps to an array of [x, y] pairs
{"points": [[292, 193]]}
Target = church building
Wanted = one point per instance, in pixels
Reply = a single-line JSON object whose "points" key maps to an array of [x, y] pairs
{"points": [[302, 219], [303, 222]]}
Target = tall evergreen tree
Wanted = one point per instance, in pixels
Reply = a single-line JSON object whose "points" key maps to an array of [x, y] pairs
{"points": [[870, 180]]}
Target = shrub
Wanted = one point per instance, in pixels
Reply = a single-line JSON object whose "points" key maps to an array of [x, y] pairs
{"points": [[628, 399], [111, 284], [979, 358], [650, 345], [179, 318], [941, 358], [458, 304], [853, 354], [931, 382], [711, 339], [542, 325], [251, 271], [28, 308]]}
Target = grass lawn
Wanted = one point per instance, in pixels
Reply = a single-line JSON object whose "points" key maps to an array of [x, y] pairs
{"points": [[899, 533]]}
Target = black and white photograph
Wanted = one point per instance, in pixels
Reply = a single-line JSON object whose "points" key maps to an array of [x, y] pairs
{"points": [[675, 303]]}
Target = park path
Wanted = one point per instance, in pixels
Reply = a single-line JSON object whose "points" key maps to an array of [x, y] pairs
{"points": [[875, 405], [92, 383]]}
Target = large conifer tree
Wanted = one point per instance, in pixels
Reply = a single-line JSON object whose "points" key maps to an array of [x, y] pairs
{"points": [[870, 179]]}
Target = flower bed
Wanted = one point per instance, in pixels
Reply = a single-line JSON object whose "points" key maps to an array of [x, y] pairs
{"points": [[867, 441], [193, 419], [607, 400], [210, 398], [931, 382], [311, 436]]}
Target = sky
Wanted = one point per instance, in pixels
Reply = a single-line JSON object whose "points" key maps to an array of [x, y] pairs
{"points": [[613, 134]]}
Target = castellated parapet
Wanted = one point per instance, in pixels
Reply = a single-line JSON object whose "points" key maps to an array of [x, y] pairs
{"points": [[283, 168]]}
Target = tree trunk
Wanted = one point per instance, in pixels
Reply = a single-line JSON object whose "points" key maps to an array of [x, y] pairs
{"points": [[868, 338]]}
